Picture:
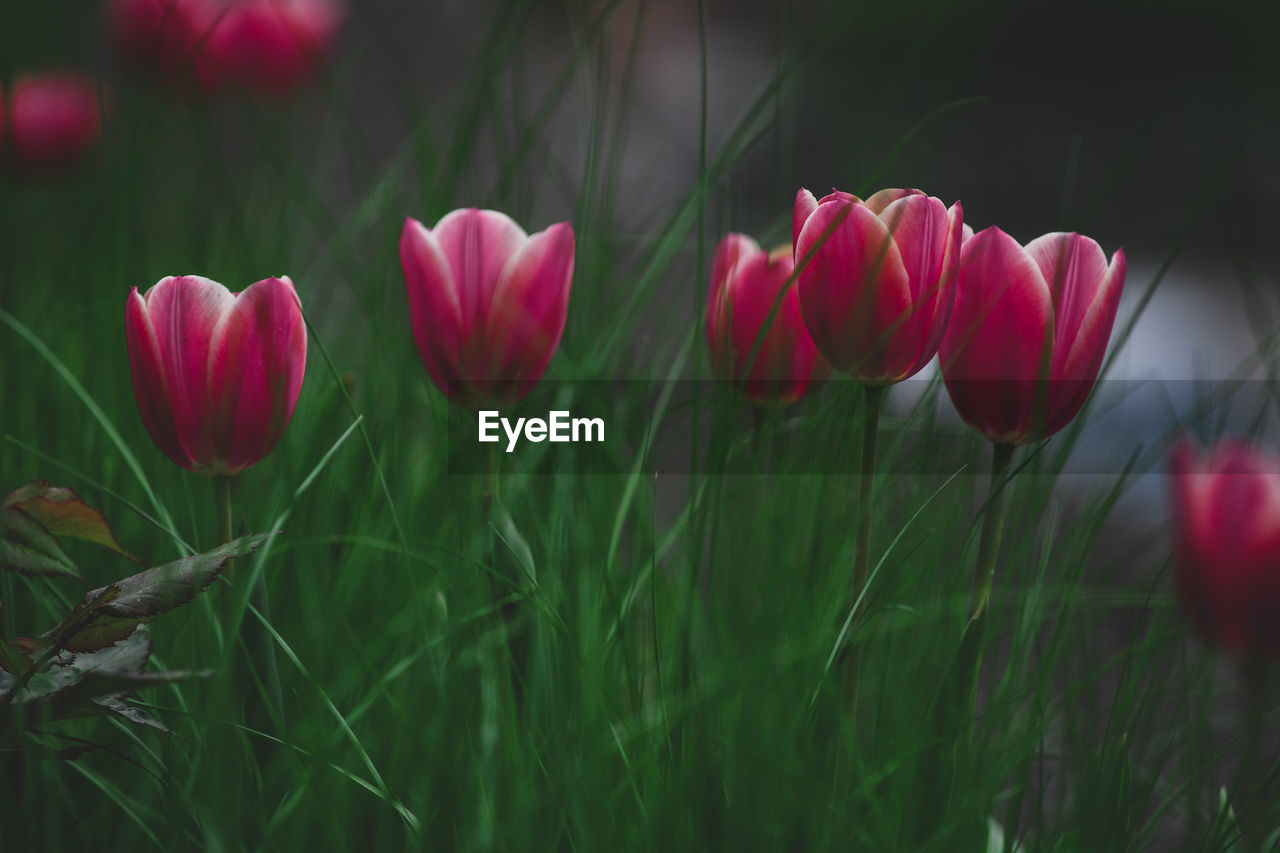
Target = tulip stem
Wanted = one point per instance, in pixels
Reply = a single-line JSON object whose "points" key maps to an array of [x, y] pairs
{"points": [[222, 501], [992, 530], [984, 576], [874, 396], [222, 504], [505, 656]]}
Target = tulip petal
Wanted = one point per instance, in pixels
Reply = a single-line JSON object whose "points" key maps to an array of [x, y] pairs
{"points": [[1073, 266], [808, 367], [994, 352], [435, 311], [782, 367], [1075, 370], [1093, 330], [922, 229], [878, 202], [478, 245], [732, 250], [150, 387], [804, 207], [940, 319], [184, 313], [257, 357], [742, 305], [854, 291], [750, 297], [527, 313], [920, 226], [836, 196]]}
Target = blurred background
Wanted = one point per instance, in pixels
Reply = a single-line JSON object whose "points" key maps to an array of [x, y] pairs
{"points": [[1149, 126]]}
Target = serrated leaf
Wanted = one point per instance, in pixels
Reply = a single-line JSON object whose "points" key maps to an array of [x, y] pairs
{"points": [[110, 613], [76, 684], [127, 657], [12, 659], [26, 547], [85, 618], [63, 513]]}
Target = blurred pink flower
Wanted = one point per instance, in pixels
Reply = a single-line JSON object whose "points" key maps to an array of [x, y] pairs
{"points": [[1226, 508], [267, 46], [274, 46], [50, 120], [167, 38]]}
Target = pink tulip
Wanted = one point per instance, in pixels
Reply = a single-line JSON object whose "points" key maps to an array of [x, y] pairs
{"points": [[273, 46], [487, 303], [1029, 331], [216, 374], [746, 281], [270, 46], [876, 281], [1226, 507], [167, 37], [51, 120]]}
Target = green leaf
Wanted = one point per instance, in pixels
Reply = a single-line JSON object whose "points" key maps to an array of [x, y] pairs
{"points": [[12, 658], [76, 685], [63, 513], [26, 547], [126, 658], [110, 614]]}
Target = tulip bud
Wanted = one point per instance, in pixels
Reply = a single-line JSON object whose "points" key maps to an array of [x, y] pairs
{"points": [[487, 303], [1226, 508], [1029, 331], [876, 280], [216, 374], [746, 283], [50, 120]]}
